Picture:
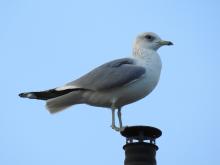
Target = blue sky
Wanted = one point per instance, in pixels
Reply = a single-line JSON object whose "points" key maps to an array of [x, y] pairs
{"points": [[46, 43]]}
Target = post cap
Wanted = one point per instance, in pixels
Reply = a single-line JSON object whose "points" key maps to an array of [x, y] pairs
{"points": [[141, 133]]}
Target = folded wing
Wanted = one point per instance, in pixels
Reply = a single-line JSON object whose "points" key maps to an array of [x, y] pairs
{"points": [[113, 74]]}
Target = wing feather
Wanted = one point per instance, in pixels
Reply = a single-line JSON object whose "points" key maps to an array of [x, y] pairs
{"points": [[110, 75]]}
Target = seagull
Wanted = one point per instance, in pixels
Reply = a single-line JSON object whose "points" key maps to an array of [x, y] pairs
{"points": [[113, 84]]}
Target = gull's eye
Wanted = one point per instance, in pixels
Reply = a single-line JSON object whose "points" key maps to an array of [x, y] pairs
{"points": [[149, 37]]}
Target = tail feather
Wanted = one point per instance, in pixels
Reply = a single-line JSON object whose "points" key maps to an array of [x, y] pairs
{"points": [[60, 103]]}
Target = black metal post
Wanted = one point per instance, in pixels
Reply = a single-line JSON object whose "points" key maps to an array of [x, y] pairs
{"points": [[140, 147]]}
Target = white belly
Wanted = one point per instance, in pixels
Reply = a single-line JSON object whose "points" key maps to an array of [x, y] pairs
{"points": [[126, 94]]}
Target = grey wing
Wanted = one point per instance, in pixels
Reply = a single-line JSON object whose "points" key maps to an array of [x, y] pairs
{"points": [[109, 75]]}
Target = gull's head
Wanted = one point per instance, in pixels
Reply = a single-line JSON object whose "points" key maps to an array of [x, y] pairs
{"points": [[149, 40]]}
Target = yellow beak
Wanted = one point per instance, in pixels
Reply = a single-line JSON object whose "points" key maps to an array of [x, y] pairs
{"points": [[163, 42]]}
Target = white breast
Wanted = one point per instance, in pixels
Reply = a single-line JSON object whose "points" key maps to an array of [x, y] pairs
{"points": [[152, 62], [143, 86]]}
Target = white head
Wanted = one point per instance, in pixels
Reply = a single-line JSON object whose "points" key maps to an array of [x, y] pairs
{"points": [[149, 40]]}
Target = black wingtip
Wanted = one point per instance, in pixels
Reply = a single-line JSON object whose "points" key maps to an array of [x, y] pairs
{"points": [[29, 95], [21, 94]]}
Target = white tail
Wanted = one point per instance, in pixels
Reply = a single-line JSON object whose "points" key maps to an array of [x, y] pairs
{"points": [[60, 103]]}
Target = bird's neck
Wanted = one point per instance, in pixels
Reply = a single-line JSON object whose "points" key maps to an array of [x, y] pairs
{"points": [[145, 56]]}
